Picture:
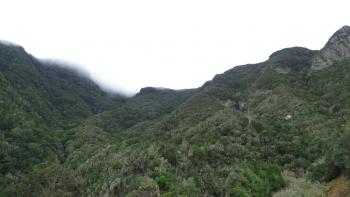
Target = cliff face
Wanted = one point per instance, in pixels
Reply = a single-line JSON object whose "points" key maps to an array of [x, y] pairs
{"points": [[337, 48]]}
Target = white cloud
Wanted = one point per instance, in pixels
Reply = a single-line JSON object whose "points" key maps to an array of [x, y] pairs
{"points": [[129, 44]]}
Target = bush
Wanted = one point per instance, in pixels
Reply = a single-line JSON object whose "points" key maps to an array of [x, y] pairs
{"points": [[324, 172], [239, 192], [187, 188], [165, 181]]}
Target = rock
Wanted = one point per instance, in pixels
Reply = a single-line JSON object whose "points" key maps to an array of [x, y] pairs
{"points": [[337, 48], [294, 59], [149, 90], [288, 117], [281, 70]]}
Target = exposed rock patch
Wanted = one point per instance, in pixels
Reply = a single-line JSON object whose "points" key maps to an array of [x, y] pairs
{"points": [[337, 48]]}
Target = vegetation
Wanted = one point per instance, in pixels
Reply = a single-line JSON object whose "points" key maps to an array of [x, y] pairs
{"points": [[61, 135]]}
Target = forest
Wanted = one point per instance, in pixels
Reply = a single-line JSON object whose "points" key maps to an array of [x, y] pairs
{"points": [[247, 132]]}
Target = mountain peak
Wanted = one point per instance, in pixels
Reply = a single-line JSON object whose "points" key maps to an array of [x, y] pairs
{"points": [[341, 35], [337, 48], [294, 59]]}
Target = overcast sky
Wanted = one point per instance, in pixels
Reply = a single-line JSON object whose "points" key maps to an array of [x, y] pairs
{"points": [[129, 44]]}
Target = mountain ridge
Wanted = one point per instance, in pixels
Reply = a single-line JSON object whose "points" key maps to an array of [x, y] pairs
{"points": [[237, 135], [337, 48]]}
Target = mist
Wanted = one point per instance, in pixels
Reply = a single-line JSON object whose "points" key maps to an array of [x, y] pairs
{"points": [[127, 45], [81, 71]]}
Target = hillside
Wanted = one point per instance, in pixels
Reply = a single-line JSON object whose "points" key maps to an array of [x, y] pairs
{"points": [[240, 134]]}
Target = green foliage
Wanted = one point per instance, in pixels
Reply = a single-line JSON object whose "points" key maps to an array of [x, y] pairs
{"points": [[239, 192], [324, 172], [61, 135], [337, 159], [166, 181], [187, 188], [341, 155], [44, 180]]}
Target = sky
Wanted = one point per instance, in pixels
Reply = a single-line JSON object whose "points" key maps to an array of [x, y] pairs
{"points": [[129, 44]]}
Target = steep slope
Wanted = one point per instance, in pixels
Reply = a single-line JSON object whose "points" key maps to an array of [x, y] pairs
{"points": [[50, 88], [234, 136], [150, 103], [337, 48], [38, 101]]}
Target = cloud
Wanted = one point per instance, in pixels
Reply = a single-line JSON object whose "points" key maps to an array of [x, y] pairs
{"points": [[127, 45]]}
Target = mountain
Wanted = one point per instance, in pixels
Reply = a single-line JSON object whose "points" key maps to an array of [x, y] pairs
{"points": [[49, 88], [337, 48], [253, 130], [37, 101]]}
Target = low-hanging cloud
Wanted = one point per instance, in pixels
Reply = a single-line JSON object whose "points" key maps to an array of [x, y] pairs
{"points": [[127, 45]]}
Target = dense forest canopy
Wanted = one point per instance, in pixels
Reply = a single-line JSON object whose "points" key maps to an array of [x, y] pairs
{"points": [[246, 132]]}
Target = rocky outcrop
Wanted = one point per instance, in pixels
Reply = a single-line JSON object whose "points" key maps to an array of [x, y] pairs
{"points": [[293, 59], [153, 90], [337, 48]]}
